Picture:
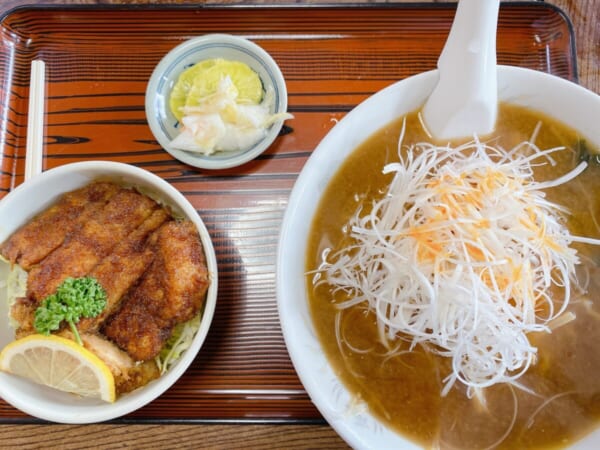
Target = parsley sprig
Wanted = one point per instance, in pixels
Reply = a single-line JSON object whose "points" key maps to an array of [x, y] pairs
{"points": [[75, 298]]}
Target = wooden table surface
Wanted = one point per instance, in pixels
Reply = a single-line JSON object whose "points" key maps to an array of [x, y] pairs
{"points": [[585, 16]]}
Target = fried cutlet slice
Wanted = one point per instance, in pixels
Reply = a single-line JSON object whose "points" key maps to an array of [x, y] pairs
{"points": [[136, 331], [184, 274], [22, 312], [172, 291], [47, 231], [76, 257], [139, 375], [116, 274], [120, 270]]}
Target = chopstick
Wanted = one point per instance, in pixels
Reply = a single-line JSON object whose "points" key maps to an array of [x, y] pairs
{"points": [[35, 120]]}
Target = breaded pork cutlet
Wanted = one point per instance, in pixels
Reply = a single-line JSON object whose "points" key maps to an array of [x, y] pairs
{"points": [[172, 291], [80, 253], [23, 313], [120, 270], [48, 230]]}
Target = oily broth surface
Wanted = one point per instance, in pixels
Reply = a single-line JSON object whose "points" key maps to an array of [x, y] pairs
{"points": [[404, 391]]}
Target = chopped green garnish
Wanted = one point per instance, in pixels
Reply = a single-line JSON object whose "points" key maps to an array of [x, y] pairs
{"points": [[75, 298]]}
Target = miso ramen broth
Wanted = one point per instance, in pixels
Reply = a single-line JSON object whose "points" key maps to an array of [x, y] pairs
{"points": [[560, 401]]}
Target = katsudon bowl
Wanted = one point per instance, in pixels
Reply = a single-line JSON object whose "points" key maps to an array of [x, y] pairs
{"points": [[34, 196], [346, 413]]}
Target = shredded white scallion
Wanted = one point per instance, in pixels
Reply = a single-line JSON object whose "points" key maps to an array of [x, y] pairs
{"points": [[463, 253]]}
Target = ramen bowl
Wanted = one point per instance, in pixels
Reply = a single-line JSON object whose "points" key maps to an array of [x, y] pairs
{"points": [[164, 124], [34, 196], [567, 102]]}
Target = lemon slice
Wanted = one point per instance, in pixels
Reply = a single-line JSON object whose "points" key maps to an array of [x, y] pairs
{"points": [[202, 79], [59, 363]]}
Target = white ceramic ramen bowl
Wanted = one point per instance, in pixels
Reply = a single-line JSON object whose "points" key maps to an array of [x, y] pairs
{"points": [[565, 101], [34, 196], [165, 126]]}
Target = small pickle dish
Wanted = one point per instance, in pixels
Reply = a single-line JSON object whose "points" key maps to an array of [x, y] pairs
{"points": [[235, 107]]}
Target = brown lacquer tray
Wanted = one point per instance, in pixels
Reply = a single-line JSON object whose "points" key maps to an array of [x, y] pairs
{"points": [[333, 57]]}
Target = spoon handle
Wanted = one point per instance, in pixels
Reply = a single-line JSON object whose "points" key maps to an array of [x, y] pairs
{"points": [[465, 100]]}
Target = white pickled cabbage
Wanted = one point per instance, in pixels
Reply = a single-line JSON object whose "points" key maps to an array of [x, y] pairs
{"points": [[221, 123]]}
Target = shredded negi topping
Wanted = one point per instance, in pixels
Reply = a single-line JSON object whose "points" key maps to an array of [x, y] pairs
{"points": [[463, 254]]}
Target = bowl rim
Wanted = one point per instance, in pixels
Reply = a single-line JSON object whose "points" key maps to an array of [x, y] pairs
{"points": [[170, 64], [91, 410], [316, 373]]}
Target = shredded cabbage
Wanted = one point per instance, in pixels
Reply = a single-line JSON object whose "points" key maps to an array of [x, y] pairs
{"points": [[180, 340], [16, 287]]}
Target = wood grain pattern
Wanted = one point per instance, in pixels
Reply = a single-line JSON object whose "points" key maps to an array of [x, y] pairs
{"points": [[98, 63], [160, 437], [266, 202]]}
